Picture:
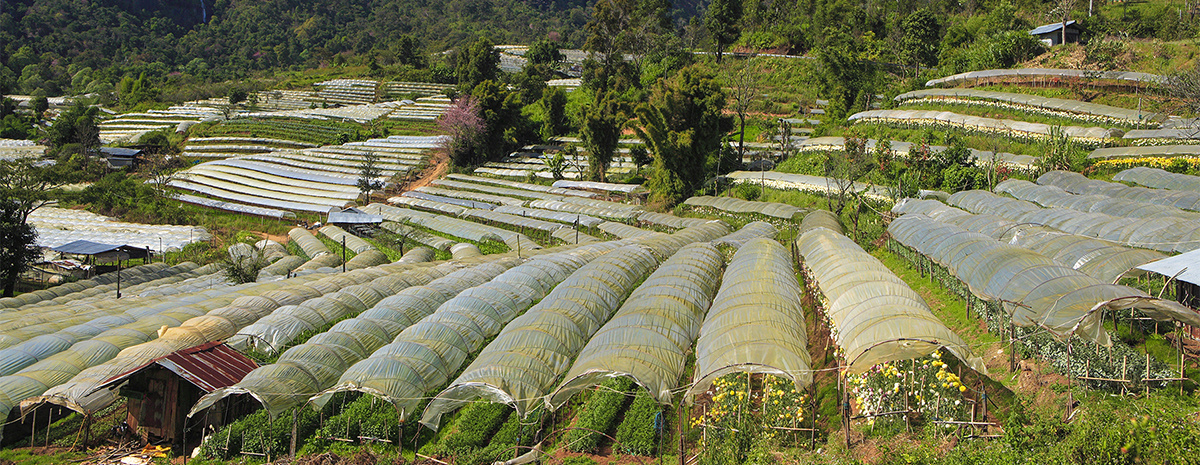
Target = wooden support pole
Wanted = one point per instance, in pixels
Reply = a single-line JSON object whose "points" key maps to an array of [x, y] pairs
{"points": [[295, 424]]}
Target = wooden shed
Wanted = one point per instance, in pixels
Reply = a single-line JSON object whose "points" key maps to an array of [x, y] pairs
{"points": [[160, 392]]}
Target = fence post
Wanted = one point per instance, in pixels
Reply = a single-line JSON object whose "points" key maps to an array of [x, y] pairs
{"points": [[295, 420]]}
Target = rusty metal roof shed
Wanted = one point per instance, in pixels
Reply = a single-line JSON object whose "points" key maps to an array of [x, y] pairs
{"points": [[208, 366]]}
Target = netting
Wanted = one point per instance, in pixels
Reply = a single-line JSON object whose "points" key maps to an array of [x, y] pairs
{"points": [[493, 199], [805, 183], [672, 221], [562, 217], [736, 205], [527, 357], [1034, 290], [524, 186], [876, 317], [355, 243], [750, 231], [820, 219], [1116, 220], [425, 355], [755, 323], [1097, 258], [1159, 179], [1076, 183], [649, 338], [417, 235], [454, 226], [307, 369], [1045, 74], [1056, 106], [1164, 151], [1092, 136]]}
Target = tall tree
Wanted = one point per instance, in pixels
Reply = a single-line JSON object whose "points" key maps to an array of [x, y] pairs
{"points": [[684, 125], [77, 125], [24, 187], [368, 175], [601, 121], [723, 20], [919, 42], [743, 81], [554, 109], [479, 62]]}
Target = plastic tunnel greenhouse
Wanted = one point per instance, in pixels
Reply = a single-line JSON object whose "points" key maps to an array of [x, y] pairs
{"points": [[83, 392], [1035, 290], [307, 369], [1076, 183], [876, 317], [425, 355], [752, 230], [523, 362], [649, 338], [755, 323], [736, 205], [1097, 258], [1159, 179]]}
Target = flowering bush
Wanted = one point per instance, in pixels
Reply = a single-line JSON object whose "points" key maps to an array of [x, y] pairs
{"points": [[926, 384]]}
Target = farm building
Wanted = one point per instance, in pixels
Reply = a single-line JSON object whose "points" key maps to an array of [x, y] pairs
{"points": [[1051, 34], [160, 391], [1184, 270], [118, 157]]}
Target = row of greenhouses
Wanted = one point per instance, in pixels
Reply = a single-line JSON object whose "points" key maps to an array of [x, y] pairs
{"points": [[1035, 290], [1076, 183], [906, 149], [922, 119], [1159, 179], [1047, 76], [1164, 151], [1084, 111]]}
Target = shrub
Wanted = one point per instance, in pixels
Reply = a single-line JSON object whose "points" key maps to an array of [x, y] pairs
{"points": [[598, 414], [639, 432]]}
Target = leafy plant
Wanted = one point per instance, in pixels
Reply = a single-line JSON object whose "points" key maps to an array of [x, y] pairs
{"points": [[599, 414]]}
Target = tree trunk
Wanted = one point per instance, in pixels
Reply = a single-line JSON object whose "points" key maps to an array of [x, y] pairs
{"points": [[742, 137], [10, 283]]}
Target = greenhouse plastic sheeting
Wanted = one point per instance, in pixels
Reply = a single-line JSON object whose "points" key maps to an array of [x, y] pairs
{"points": [[282, 266], [492, 199], [516, 194], [1162, 234], [307, 369], [1109, 113], [355, 243], [454, 226], [752, 230], [419, 236], [464, 250], [1159, 179], [669, 220], [428, 198], [903, 149], [273, 332], [86, 355], [625, 231], [803, 182], [755, 324], [1055, 197], [1045, 74], [598, 210], [562, 217], [1097, 258], [600, 186], [1051, 296], [524, 186], [101, 283], [820, 219], [307, 242], [234, 207], [876, 317], [515, 221], [573, 236], [425, 355], [649, 338], [1164, 151], [1088, 135], [736, 205], [530, 353], [81, 392], [1076, 183], [271, 250], [1166, 135]]}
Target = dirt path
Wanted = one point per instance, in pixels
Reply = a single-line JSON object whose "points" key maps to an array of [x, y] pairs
{"points": [[439, 164]]}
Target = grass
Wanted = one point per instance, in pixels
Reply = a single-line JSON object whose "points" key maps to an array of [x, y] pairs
{"points": [[28, 457]]}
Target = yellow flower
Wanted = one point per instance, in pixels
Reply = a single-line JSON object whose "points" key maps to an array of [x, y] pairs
{"points": [[962, 388]]}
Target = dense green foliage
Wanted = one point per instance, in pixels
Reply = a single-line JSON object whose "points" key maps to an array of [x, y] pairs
{"points": [[599, 414]]}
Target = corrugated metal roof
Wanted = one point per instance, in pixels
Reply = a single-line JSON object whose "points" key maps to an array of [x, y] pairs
{"points": [[1184, 267], [82, 247], [209, 366], [1049, 28]]}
